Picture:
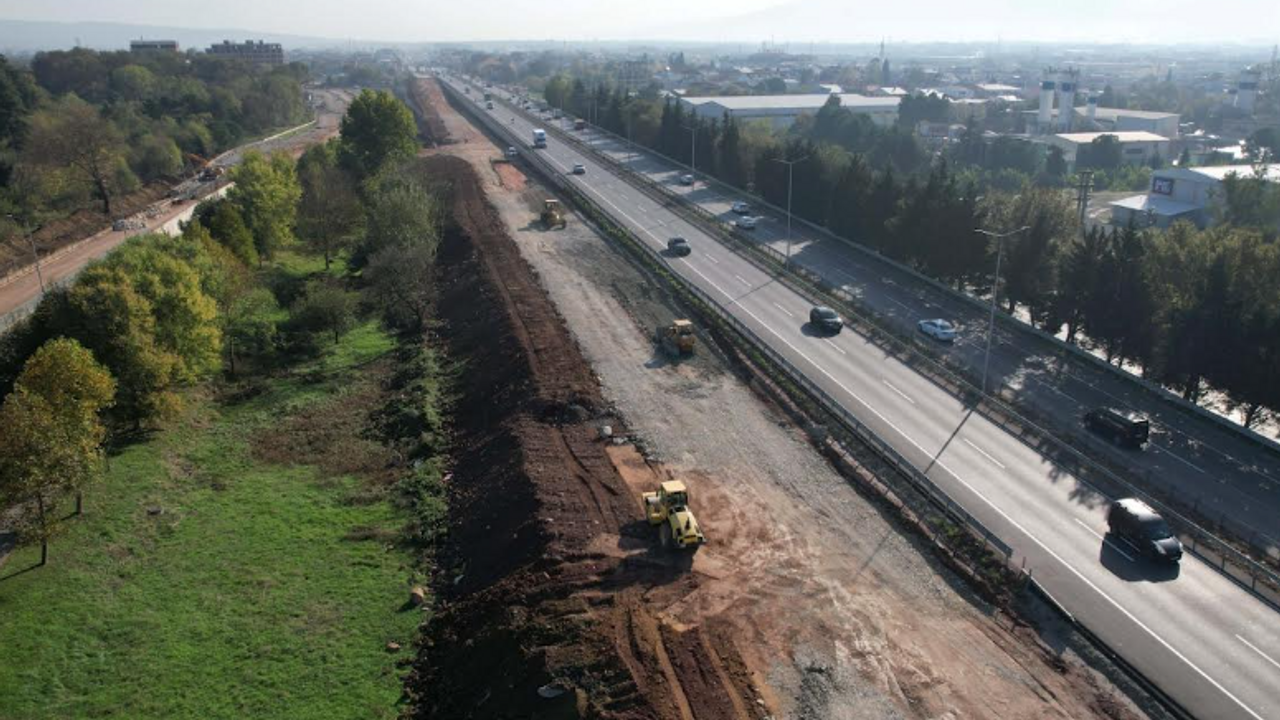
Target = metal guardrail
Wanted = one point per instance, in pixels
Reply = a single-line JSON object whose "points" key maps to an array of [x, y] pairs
{"points": [[1011, 323], [1230, 561], [829, 405], [1234, 564]]}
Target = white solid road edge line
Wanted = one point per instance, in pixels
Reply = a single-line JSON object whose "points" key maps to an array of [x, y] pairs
{"points": [[982, 497], [905, 396]]}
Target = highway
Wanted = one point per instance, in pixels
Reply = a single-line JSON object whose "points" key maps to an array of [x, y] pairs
{"points": [[1209, 644], [1213, 470], [1206, 466]]}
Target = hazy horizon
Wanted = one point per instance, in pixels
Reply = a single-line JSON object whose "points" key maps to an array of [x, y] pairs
{"points": [[1251, 22]]}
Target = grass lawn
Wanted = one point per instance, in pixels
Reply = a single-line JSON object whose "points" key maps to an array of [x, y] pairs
{"points": [[248, 595]]}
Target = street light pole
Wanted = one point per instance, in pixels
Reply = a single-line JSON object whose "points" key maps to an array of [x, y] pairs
{"points": [[31, 241], [995, 293], [791, 166], [693, 145]]}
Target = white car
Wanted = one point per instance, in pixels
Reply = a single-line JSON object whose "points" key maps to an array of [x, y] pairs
{"points": [[686, 179], [512, 152], [938, 329], [741, 208], [579, 169], [747, 223]]}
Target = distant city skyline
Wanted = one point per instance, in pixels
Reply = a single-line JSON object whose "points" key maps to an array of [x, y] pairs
{"points": [[746, 21]]}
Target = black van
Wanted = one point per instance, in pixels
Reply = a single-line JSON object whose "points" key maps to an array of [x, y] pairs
{"points": [[1119, 426], [1137, 523]]}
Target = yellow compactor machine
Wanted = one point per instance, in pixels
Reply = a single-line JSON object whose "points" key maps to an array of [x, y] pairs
{"points": [[552, 214], [677, 339], [668, 508]]}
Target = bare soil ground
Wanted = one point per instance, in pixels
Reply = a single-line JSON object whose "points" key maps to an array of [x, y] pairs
{"points": [[807, 602]]}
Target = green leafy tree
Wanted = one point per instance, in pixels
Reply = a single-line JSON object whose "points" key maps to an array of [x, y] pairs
{"points": [[228, 228], [1032, 256], [250, 328], [400, 280], [329, 214], [325, 308], [399, 211], [51, 435], [266, 193], [377, 129], [71, 136], [1055, 163]]}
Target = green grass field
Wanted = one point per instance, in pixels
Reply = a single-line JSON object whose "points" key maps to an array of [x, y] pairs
{"points": [[248, 595]]}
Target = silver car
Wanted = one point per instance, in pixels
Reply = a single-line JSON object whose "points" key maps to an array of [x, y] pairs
{"points": [[938, 329]]}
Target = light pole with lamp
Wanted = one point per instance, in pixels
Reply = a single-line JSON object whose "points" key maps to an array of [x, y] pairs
{"points": [[693, 146], [791, 165], [995, 292], [30, 232]]}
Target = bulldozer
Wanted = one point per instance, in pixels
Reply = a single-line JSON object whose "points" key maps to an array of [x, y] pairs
{"points": [[552, 216], [669, 509], [677, 339]]}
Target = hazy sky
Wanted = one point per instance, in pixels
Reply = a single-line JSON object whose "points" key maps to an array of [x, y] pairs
{"points": [[797, 21]]}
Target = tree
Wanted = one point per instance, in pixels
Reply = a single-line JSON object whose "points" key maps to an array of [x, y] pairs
{"points": [[325, 308], [249, 327], [266, 192], [399, 211], [1101, 154], [51, 435], [1055, 163], [72, 135], [400, 280], [377, 129], [1032, 257], [226, 224], [329, 213]]}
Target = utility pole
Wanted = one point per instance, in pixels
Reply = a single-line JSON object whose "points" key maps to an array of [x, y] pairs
{"points": [[693, 144], [31, 241], [791, 166], [995, 293], [1083, 185]]}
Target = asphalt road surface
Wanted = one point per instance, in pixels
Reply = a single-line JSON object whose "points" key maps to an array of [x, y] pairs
{"points": [[1211, 645]]}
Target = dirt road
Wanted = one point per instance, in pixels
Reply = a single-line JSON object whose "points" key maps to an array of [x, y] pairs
{"points": [[807, 601], [20, 290]]}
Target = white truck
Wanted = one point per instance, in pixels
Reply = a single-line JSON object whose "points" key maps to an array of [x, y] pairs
{"points": [[539, 138]]}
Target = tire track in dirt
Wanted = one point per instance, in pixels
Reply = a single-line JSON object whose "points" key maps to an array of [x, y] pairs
{"points": [[543, 583]]}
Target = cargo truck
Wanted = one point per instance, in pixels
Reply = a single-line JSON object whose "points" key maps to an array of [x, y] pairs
{"points": [[540, 138]]}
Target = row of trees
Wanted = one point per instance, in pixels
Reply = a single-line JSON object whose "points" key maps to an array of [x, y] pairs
{"points": [[1190, 308], [82, 125], [109, 355]]}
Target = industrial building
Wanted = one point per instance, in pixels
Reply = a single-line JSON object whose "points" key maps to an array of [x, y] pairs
{"points": [[781, 111], [257, 52], [1136, 148], [153, 46], [1188, 194]]}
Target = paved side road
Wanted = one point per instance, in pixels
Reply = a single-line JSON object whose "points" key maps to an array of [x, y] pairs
{"points": [[20, 292]]}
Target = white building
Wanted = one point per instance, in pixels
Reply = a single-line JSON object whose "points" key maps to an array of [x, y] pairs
{"points": [[1188, 194], [1136, 148], [781, 111]]}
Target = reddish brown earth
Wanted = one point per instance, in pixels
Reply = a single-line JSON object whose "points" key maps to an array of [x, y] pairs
{"points": [[537, 586], [806, 603]]}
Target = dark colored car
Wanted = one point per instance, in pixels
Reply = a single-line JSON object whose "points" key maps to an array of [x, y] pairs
{"points": [[825, 319], [1119, 426], [1144, 529], [678, 246]]}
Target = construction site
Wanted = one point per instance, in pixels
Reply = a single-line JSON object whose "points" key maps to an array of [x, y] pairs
{"points": [[643, 526]]}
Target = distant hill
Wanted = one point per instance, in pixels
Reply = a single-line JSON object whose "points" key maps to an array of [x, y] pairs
{"points": [[19, 37]]}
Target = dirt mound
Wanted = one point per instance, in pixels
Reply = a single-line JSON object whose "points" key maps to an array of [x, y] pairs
{"points": [[542, 584], [425, 95]]}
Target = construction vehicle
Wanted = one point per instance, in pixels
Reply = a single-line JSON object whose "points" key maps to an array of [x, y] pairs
{"points": [[539, 138], [669, 508], [552, 216], [677, 339]]}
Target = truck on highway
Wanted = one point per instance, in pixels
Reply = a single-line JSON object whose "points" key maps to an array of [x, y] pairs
{"points": [[488, 96], [539, 138]]}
